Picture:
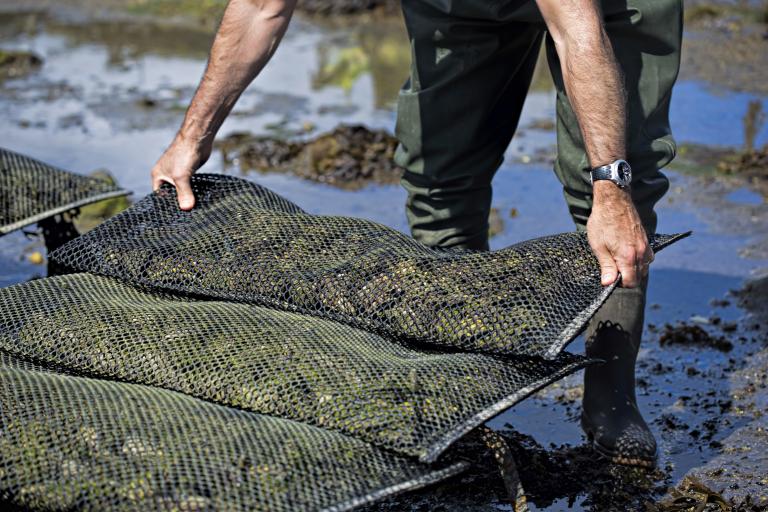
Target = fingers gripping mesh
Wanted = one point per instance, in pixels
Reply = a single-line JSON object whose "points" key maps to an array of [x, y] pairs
{"points": [[413, 401], [244, 243], [73, 443], [31, 190]]}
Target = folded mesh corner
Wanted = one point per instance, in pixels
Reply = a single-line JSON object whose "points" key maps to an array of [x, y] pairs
{"points": [[245, 243], [31, 191]]}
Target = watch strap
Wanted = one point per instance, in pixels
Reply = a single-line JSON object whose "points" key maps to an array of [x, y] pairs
{"points": [[602, 173]]}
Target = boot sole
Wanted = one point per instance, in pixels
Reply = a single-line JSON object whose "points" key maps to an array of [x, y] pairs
{"points": [[614, 456]]}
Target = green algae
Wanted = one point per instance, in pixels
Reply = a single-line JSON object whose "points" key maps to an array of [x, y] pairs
{"points": [[261, 360], [98, 445]]}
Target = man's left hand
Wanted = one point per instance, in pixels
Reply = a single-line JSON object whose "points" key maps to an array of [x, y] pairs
{"points": [[617, 237]]}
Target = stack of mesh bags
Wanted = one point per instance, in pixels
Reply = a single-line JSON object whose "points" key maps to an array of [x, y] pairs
{"points": [[31, 191], [247, 355]]}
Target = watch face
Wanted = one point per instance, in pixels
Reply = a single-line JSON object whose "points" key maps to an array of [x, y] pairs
{"points": [[624, 172]]}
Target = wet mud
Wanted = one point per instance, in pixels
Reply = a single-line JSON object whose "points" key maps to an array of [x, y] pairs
{"points": [[726, 44], [730, 184], [747, 164], [554, 476], [350, 157], [739, 472]]}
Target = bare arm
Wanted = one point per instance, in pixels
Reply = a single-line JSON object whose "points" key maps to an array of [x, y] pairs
{"points": [[595, 87], [248, 36]]}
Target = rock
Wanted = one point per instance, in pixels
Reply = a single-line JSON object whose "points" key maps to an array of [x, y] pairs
{"points": [[36, 258], [685, 334], [495, 223], [349, 157], [15, 64]]}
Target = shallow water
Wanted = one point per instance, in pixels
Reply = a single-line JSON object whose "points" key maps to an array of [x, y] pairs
{"points": [[87, 108]]}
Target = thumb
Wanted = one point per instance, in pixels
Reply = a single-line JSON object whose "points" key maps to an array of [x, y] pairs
{"points": [[608, 270], [184, 193]]}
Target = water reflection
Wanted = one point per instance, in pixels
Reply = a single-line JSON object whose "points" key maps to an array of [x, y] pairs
{"points": [[123, 41], [376, 48]]}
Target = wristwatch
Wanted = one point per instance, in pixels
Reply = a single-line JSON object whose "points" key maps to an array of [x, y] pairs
{"points": [[618, 172]]}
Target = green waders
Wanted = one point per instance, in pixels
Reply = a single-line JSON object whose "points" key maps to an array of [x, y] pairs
{"points": [[472, 64]]}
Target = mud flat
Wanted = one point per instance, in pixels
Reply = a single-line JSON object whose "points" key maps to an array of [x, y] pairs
{"points": [[739, 473]]}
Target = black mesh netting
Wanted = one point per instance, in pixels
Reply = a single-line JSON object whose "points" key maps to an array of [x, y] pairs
{"points": [[244, 243], [31, 191], [304, 368], [209, 387], [74, 443]]}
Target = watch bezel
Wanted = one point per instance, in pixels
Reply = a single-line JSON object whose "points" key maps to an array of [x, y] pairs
{"points": [[613, 172], [623, 177]]}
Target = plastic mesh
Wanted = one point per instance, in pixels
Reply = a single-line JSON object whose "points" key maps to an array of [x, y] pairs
{"points": [[244, 243], [74, 443], [31, 190], [331, 375]]}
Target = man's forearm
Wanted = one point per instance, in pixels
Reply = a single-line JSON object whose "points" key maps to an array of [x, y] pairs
{"points": [[595, 88], [593, 80], [248, 36]]}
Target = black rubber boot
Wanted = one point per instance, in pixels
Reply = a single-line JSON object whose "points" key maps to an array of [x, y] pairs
{"points": [[610, 416]]}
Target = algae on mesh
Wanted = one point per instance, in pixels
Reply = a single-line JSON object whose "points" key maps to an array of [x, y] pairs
{"points": [[257, 359], [354, 271], [105, 445]]}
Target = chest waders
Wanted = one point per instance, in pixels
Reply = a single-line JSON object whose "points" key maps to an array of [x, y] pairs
{"points": [[472, 65]]}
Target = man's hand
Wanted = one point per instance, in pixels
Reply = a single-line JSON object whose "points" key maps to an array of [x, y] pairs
{"points": [[247, 38], [614, 229], [617, 237], [177, 165]]}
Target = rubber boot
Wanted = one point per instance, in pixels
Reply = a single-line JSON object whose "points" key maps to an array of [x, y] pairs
{"points": [[610, 416]]}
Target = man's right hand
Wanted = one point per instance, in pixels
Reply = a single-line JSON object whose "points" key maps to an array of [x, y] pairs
{"points": [[248, 35], [177, 165]]}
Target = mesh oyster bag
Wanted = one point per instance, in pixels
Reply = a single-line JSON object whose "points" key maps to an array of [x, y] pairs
{"points": [[73, 443], [31, 191], [245, 243], [410, 400]]}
